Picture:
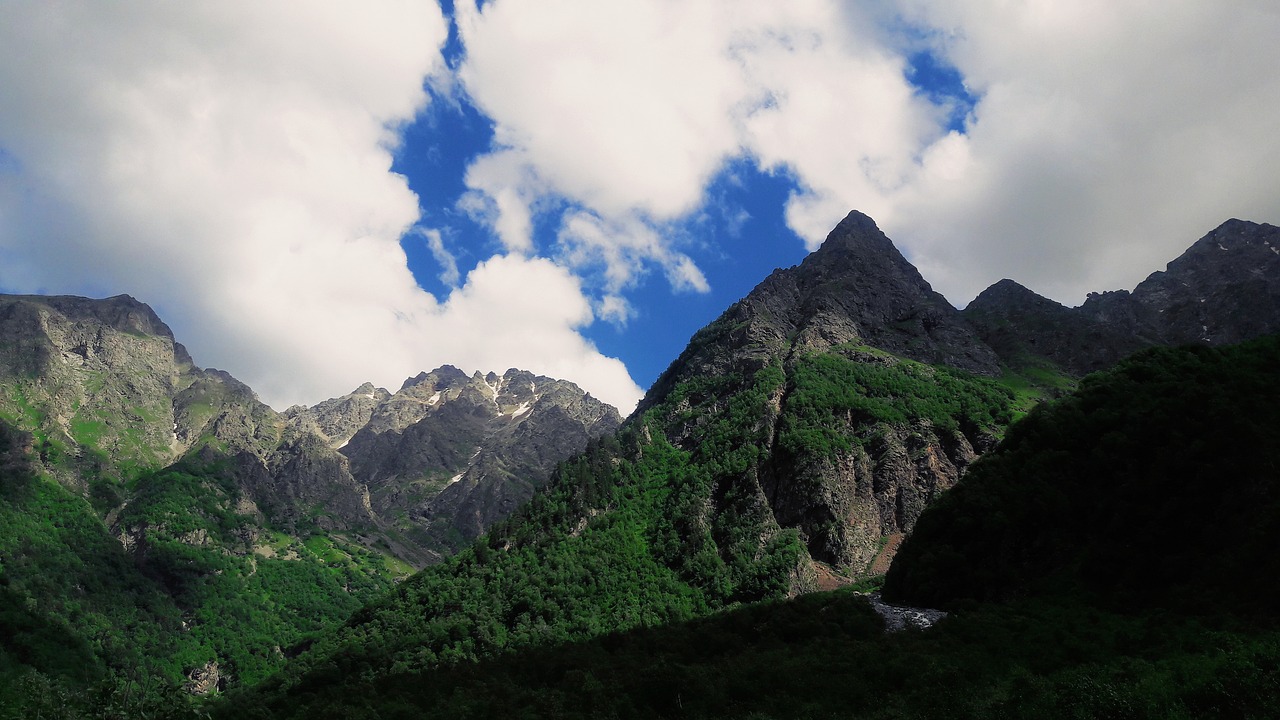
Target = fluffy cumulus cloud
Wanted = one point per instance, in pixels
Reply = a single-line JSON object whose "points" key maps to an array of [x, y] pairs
{"points": [[629, 110], [1108, 137], [1105, 136], [230, 163]]}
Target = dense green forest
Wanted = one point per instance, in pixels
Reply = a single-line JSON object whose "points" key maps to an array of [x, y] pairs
{"points": [[825, 655], [91, 623], [1156, 484]]}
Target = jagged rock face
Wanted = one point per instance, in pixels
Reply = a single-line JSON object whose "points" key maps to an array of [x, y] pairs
{"points": [[856, 297], [91, 375], [1224, 289], [338, 419], [105, 390], [845, 505], [450, 454]]}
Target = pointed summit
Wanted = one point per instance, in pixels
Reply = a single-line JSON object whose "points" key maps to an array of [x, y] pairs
{"points": [[1224, 289], [855, 289]]}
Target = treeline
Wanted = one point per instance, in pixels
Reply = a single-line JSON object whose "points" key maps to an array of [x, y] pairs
{"points": [[825, 655]]}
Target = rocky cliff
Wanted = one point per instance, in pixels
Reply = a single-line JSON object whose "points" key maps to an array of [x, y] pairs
{"points": [[107, 393], [449, 454], [854, 320]]}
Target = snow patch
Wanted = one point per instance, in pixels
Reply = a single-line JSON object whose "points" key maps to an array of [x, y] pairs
{"points": [[455, 478], [434, 398], [1220, 246], [524, 408]]}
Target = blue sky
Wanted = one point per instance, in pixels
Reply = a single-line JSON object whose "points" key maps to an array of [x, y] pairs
{"points": [[737, 236], [365, 191]]}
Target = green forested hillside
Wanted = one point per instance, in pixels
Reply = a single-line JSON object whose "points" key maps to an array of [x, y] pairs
{"points": [[97, 621], [825, 655], [638, 532], [1157, 484], [1125, 531]]}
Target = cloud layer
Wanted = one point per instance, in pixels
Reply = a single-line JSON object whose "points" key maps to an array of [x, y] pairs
{"points": [[1109, 136], [1105, 137], [230, 163]]}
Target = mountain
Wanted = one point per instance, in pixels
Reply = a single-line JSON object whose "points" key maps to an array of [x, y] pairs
{"points": [[160, 526], [449, 454], [790, 446], [182, 532], [1224, 289], [858, 289], [779, 454], [107, 391], [874, 393]]}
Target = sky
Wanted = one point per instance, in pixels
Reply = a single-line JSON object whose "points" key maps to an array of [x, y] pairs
{"points": [[318, 194]]}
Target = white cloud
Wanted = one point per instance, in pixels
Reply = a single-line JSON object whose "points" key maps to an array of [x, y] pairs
{"points": [[531, 309], [230, 163], [629, 110], [1106, 137], [622, 247], [449, 274], [1109, 136]]}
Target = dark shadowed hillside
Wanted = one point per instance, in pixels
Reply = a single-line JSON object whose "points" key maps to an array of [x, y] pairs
{"points": [[1157, 484]]}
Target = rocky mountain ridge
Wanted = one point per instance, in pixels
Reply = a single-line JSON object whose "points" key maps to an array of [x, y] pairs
{"points": [[855, 306], [1224, 289], [107, 392], [448, 454]]}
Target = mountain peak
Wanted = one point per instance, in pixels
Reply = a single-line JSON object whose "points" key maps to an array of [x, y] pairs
{"points": [[857, 235], [857, 288], [121, 312], [1005, 294]]}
